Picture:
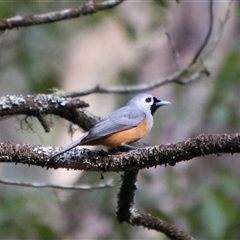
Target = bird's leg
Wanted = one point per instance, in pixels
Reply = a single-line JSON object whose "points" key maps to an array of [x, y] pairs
{"points": [[129, 147], [124, 148]]}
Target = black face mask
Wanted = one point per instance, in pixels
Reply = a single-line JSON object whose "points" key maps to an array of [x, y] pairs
{"points": [[156, 104]]}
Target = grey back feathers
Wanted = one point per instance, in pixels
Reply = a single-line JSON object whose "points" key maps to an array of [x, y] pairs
{"points": [[127, 117], [123, 119]]}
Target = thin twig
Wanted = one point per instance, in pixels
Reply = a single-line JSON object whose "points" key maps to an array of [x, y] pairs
{"points": [[84, 187], [195, 76], [222, 26], [174, 78], [138, 218], [45, 124], [199, 52], [87, 8]]}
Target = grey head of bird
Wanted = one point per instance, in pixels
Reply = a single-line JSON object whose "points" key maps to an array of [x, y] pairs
{"points": [[147, 102]]}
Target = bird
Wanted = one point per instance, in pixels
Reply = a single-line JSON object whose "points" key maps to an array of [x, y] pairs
{"points": [[123, 126]]}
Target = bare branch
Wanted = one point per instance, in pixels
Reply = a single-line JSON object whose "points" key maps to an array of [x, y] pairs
{"points": [[126, 195], [41, 105], [45, 124], [85, 159], [175, 78], [126, 213], [37, 104], [199, 52], [195, 76], [139, 218], [222, 25], [87, 8], [84, 187], [25, 124]]}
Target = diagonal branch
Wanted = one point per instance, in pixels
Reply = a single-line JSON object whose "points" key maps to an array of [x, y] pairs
{"points": [[206, 40], [85, 159], [126, 213], [223, 23], [177, 77], [139, 218], [90, 7]]}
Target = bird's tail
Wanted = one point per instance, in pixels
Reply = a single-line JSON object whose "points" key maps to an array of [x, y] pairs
{"points": [[68, 147]]}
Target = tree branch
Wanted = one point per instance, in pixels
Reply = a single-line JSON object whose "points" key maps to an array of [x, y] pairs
{"points": [[85, 159], [223, 23], [126, 195], [40, 105], [206, 40], [83, 187], [139, 218], [87, 8], [177, 77], [126, 213], [174, 78]]}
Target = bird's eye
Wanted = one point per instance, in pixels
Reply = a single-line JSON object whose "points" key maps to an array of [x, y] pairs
{"points": [[148, 99]]}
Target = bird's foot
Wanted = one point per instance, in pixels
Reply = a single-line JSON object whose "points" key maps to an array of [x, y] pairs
{"points": [[129, 147]]}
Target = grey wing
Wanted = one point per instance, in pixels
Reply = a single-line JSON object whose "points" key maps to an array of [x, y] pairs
{"points": [[124, 118]]}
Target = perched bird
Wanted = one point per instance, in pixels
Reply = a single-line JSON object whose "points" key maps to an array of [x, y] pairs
{"points": [[123, 126]]}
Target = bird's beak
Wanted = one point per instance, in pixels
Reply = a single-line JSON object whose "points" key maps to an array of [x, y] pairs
{"points": [[158, 103], [162, 103]]}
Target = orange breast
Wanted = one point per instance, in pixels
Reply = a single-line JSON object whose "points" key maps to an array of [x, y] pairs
{"points": [[124, 137]]}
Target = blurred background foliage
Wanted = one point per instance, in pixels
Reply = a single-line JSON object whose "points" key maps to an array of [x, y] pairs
{"points": [[126, 45]]}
